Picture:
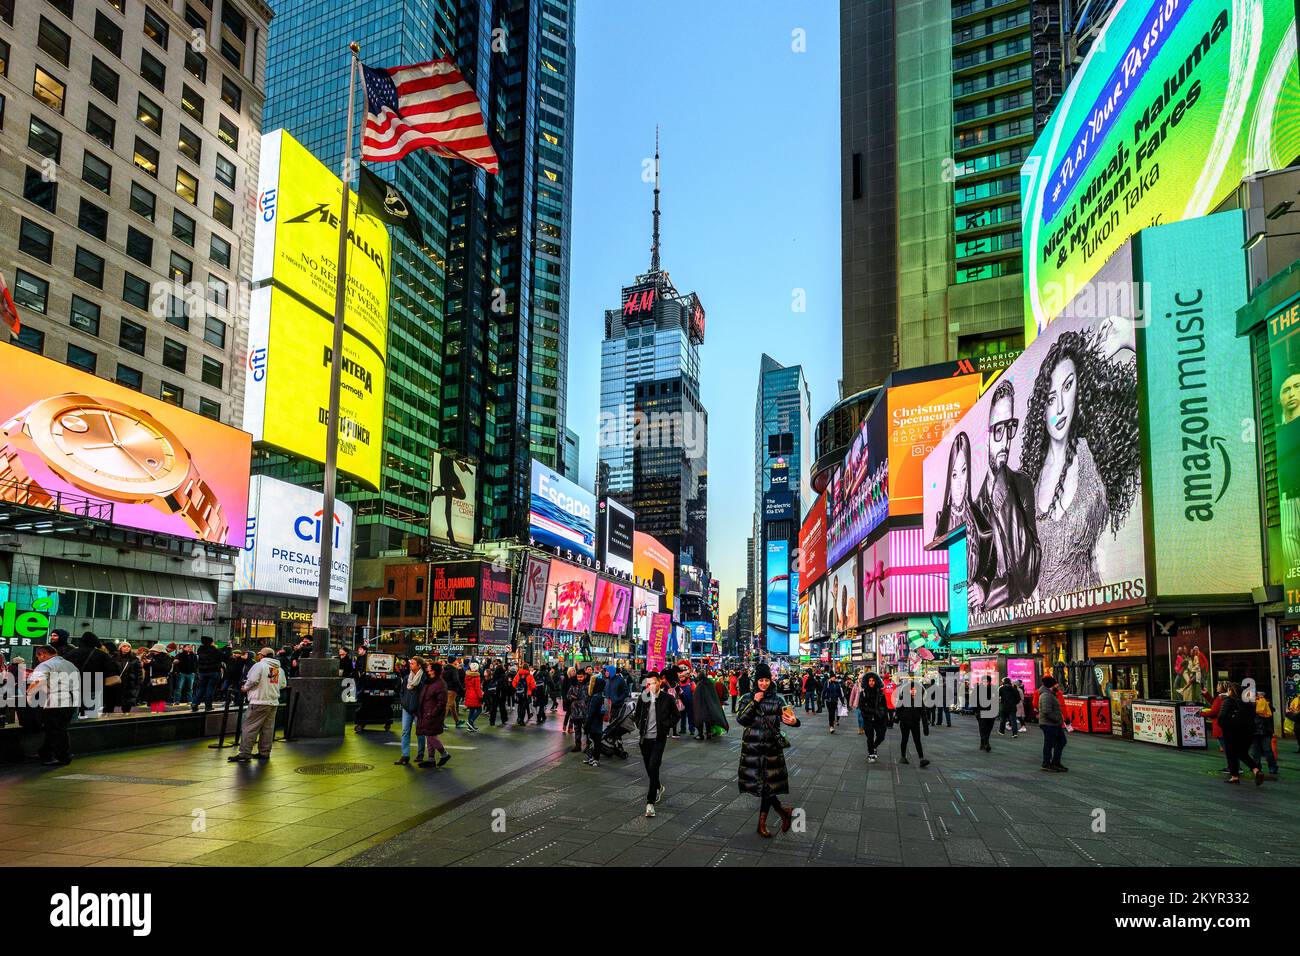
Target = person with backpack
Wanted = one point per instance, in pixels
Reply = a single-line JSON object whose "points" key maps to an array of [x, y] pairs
{"points": [[524, 684], [539, 699], [1264, 746], [575, 705], [1237, 721]]}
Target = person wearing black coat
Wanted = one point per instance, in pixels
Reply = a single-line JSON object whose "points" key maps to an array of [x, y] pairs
{"points": [[833, 693], [875, 716], [742, 685], [211, 661], [1237, 723], [655, 717], [502, 695], [92, 659], [913, 717], [157, 689], [762, 757], [126, 694], [1008, 700]]}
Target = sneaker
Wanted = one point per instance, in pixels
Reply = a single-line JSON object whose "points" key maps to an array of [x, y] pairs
{"points": [[832, 730], [1002, 733], [595, 763], [587, 761], [1014, 736], [661, 793], [1046, 769], [240, 758], [649, 809], [871, 758], [442, 761], [925, 763]]}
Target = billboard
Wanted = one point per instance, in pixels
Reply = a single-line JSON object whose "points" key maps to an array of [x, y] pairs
{"points": [[1045, 474], [812, 545], [69, 436], [956, 555], [659, 642], [613, 604], [842, 596], [900, 577], [287, 379], [692, 581], [857, 493], [1200, 388], [1176, 103], [282, 545], [570, 597], [453, 602], [920, 415], [494, 604], [776, 603], [655, 563], [533, 597], [1284, 356], [561, 515], [452, 496], [617, 542], [645, 604]]}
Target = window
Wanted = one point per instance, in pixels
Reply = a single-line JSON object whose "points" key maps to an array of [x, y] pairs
{"points": [[155, 27], [7, 11], [231, 94], [182, 227], [135, 291], [100, 125], [4, 58], [102, 79], [152, 70], [31, 292], [225, 172], [187, 187], [118, 5], [83, 359], [228, 133], [146, 157], [143, 202], [189, 145], [192, 103], [233, 20], [419, 585], [174, 355], [108, 33], [413, 608], [129, 377], [63, 6], [176, 314], [218, 292], [131, 336], [171, 394], [50, 39], [223, 210], [2, 111], [35, 240], [49, 90], [233, 53], [214, 332], [30, 339], [209, 409], [45, 139], [181, 269], [139, 246], [149, 114], [89, 268], [214, 373], [40, 190], [195, 19], [95, 172], [219, 251], [84, 315], [196, 65]]}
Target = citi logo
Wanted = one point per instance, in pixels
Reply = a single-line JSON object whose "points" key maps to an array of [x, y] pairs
{"points": [[307, 527], [75, 909], [257, 363], [266, 202]]}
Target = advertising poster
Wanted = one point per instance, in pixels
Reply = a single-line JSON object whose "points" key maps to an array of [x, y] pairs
{"points": [[561, 515], [1155, 723], [857, 494], [691, 581], [981, 667], [920, 415], [570, 597], [613, 604], [1121, 713], [1284, 408], [842, 590], [494, 605], [453, 602], [1200, 388], [281, 552], [1023, 669], [812, 545], [1175, 104], [658, 644], [1045, 474], [655, 563], [957, 585], [618, 543], [645, 604], [67, 436], [1191, 726], [900, 577], [533, 600], [452, 496], [776, 604]]}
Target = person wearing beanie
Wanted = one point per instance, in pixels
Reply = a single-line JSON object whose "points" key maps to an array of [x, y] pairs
{"points": [[158, 668], [61, 641], [762, 769], [1051, 719]]}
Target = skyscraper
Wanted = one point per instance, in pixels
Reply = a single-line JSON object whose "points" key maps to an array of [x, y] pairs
{"points": [[479, 317], [930, 195]]}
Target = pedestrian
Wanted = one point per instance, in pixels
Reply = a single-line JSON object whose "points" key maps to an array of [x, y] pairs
{"points": [[806, 691], [499, 707], [473, 697], [733, 689], [263, 684], [947, 698], [1264, 747], [524, 684], [346, 667], [834, 694], [742, 683], [890, 698], [762, 769], [575, 705], [655, 718], [54, 687], [596, 709], [61, 641], [431, 716], [412, 687], [913, 719], [1212, 712], [454, 678], [1237, 721], [93, 661], [617, 690], [158, 691], [1008, 700], [208, 664], [1051, 718], [875, 713], [554, 680], [1293, 714], [855, 693], [570, 676], [986, 710], [686, 694], [236, 670], [1020, 707], [186, 669], [131, 675]]}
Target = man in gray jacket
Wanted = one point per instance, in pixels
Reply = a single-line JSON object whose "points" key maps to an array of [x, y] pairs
{"points": [[1052, 721], [263, 684]]}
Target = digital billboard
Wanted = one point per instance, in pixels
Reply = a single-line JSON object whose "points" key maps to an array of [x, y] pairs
{"points": [[452, 496], [613, 604], [1174, 105], [617, 539], [69, 436], [453, 602], [956, 555], [842, 593], [1045, 475], [920, 415], [282, 545], [691, 581], [570, 597], [900, 577], [645, 604], [1284, 409], [561, 514], [857, 493], [494, 604], [655, 563], [659, 642], [532, 604], [776, 603], [812, 545], [1200, 388]]}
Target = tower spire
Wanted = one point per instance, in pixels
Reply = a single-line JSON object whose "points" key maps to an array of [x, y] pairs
{"points": [[654, 242]]}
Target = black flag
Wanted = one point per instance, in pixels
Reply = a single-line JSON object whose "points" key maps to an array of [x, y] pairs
{"points": [[384, 201]]}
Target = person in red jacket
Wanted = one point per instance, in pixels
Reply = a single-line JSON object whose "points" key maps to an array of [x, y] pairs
{"points": [[1220, 692], [733, 688], [524, 687], [890, 686], [473, 696]]}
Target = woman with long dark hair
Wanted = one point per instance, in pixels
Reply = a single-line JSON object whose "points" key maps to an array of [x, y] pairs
{"points": [[762, 755], [1082, 453], [956, 496]]}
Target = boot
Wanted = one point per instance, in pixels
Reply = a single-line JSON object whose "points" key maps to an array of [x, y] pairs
{"points": [[762, 826], [402, 762], [787, 818]]}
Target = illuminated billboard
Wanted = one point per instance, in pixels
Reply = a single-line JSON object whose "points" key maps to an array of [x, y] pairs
{"points": [[69, 436], [1284, 408], [812, 545], [1174, 105], [842, 595], [282, 547], [452, 497], [857, 493], [618, 527], [655, 563], [920, 415], [776, 603], [570, 597], [469, 603], [532, 602], [561, 514], [613, 604], [645, 605], [900, 577]]}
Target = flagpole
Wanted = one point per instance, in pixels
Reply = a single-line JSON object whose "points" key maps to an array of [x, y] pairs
{"points": [[321, 623]]}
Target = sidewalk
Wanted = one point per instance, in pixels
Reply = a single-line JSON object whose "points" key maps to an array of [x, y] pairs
{"points": [[184, 804]]}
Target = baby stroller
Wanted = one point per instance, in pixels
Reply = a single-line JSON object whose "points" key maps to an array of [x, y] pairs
{"points": [[620, 725]]}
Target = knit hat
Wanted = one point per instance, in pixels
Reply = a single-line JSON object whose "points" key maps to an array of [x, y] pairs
{"points": [[473, 667], [762, 671]]}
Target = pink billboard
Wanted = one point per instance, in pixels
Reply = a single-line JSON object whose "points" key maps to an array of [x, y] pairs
{"points": [[570, 597], [613, 602], [899, 577], [661, 630]]}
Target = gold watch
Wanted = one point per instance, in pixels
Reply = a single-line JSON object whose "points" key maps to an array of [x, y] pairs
{"points": [[111, 450]]}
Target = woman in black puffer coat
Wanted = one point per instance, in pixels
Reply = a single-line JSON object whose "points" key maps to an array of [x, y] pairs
{"points": [[762, 761]]}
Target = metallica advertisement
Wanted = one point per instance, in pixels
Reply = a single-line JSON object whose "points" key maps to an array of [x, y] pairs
{"points": [[1045, 475]]}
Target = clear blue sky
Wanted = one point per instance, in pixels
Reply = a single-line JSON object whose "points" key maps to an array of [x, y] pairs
{"points": [[750, 179]]}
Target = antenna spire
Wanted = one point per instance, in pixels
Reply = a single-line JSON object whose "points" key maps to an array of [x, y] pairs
{"points": [[654, 242]]}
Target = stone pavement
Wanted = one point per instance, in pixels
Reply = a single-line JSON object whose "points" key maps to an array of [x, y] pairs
{"points": [[1161, 808]]}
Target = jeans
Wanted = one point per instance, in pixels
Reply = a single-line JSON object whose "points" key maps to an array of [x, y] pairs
{"points": [[1262, 750], [408, 723], [862, 722], [1054, 743], [945, 713], [652, 755], [473, 714], [1003, 717], [453, 707], [809, 702], [183, 689], [205, 690]]}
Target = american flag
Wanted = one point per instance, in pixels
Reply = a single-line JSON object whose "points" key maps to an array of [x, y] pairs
{"points": [[425, 106]]}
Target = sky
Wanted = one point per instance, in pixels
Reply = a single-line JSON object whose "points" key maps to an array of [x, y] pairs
{"points": [[750, 179]]}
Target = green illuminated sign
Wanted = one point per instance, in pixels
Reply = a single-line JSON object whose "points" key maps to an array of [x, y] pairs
{"points": [[24, 625]]}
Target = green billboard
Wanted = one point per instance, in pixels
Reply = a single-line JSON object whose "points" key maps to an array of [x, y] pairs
{"points": [[1176, 102], [1284, 408]]}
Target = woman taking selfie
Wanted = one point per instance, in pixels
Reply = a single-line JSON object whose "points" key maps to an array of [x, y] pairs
{"points": [[762, 757]]}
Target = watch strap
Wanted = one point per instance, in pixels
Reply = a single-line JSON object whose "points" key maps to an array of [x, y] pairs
{"points": [[200, 509], [17, 485]]}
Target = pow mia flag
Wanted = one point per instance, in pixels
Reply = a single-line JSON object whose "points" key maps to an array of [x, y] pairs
{"points": [[385, 201]]}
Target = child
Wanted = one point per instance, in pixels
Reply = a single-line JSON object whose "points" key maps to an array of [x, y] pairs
{"points": [[1265, 746], [595, 721]]}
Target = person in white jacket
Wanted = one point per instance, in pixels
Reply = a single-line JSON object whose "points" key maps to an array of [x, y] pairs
{"points": [[263, 684]]}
